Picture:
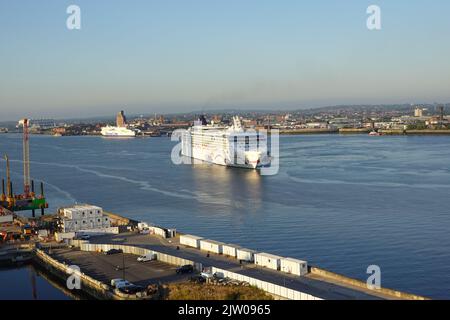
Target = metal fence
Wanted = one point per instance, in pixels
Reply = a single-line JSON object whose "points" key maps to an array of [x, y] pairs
{"points": [[271, 288], [266, 286]]}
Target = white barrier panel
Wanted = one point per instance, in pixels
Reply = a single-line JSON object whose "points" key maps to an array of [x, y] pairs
{"points": [[267, 286], [138, 251]]}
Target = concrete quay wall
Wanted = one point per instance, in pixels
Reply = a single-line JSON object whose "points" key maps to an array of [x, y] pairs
{"points": [[89, 285], [363, 285]]}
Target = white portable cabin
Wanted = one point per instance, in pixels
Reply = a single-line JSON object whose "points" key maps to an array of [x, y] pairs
{"points": [[294, 266], [190, 240], [88, 211], [158, 231], [143, 225], [245, 254], [61, 236], [268, 260], [71, 213], [106, 222], [211, 246], [99, 231], [68, 225], [230, 250], [163, 232]]}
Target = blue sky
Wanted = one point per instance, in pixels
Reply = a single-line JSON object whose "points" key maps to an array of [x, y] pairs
{"points": [[174, 56]]}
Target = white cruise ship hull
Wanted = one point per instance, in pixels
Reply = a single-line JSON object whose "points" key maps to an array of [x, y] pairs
{"points": [[226, 146], [118, 132]]}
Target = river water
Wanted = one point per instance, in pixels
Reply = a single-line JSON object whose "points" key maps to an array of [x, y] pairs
{"points": [[340, 202], [28, 283]]}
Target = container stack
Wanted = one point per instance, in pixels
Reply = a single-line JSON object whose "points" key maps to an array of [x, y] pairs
{"points": [[83, 217]]}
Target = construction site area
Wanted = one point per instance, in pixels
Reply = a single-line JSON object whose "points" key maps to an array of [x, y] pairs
{"points": [[13, 225]]}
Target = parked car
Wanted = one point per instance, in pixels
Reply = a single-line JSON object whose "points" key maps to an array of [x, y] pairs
{"points": [[84, 237], [131, 289], [113, 251], [206, 275], [118, 283], [197, 279], [185, 269]]}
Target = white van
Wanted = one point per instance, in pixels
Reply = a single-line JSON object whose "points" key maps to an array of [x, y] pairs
{"points": [[147, 257]]}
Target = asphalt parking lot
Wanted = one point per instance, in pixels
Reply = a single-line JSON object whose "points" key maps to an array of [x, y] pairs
{"points": [[107, 267]]}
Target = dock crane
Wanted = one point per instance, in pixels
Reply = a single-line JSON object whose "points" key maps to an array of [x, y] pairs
{"points": [[28, 200], [7, 197], [26, 157]]}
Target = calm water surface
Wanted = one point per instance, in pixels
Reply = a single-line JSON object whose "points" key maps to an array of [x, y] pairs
{"points": [[27, 283], [340, 202]]}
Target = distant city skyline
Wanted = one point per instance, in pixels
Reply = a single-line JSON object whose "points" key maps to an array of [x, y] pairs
{"points": [[174, 57]]}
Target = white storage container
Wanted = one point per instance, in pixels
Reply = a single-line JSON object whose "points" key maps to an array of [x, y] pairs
{"points": [[230, 250], [106, 221], [71, 213], [211, 246], [245, 254], [83, 214], [84, 224], [294, 266], [61, 236], [93, 223], [96, 211], [143, 225], [158, 231], [90, 211], [190, 240], [98, 222], [268, 260], [68, 225]]}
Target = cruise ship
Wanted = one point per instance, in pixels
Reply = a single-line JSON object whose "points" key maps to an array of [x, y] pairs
{"points": [[226, 145], [110, 131], [120, 130]]}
